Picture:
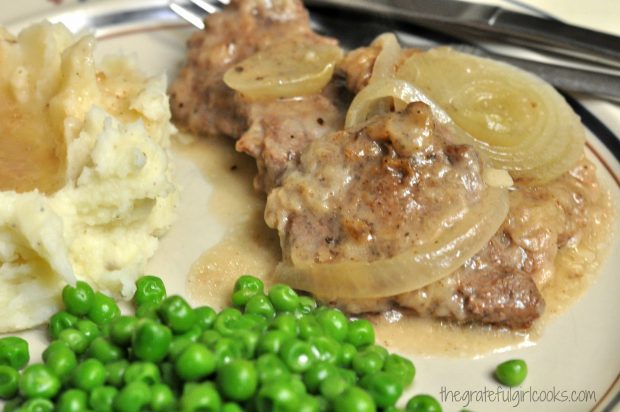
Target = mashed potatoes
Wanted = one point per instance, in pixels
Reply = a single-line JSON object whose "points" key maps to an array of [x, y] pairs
{"points": [[86, 182]]}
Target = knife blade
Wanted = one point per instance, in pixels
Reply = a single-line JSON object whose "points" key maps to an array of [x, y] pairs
{"points": [[532, 31]]}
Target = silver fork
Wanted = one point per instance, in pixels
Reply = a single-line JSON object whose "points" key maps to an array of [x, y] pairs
{"points": [[567, 78]]}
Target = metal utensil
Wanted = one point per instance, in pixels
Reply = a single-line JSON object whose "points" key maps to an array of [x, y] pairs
{"points": [[568, 79], [493, 22]]}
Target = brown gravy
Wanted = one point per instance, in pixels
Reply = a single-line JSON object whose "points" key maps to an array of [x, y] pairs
{"points": [[250, 247], [29, 158]]}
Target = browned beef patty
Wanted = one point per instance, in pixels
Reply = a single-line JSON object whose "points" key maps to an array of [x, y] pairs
{"points": [[497, 286], [273, 132]]}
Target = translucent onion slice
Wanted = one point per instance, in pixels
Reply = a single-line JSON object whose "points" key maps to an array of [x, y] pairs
{"points": [[409, 270], [519, 122], [292, 67], [385, 63], [401, 91]]}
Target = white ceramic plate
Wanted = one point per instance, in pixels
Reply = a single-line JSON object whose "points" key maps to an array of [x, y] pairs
{"points": [[578, 351]]}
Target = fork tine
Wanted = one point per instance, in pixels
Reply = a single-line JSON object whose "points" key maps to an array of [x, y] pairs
{"points": [[206, 6], [189, 14], [186, 15]]}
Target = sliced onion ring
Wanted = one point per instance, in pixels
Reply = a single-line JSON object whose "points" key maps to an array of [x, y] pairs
{"points": [[289, 68], [385, 63], [519, 122], [409, 270]]}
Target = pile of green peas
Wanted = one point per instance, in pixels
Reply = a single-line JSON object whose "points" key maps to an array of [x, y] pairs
{"points": [[271, 350]]}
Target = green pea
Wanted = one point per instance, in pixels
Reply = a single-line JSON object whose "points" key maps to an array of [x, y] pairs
{"points": [[148, 310], [72, 400], [193, 334], [60, 321], [200, 397], [283, 298], [361, 333], [89, 329], [14, 352], [401, 367], [258, 322], [347, 353], [334, 323], [115, 372], [132, 398], [89, 374], [106, 352], [287, 323], [146, 372], [367, 363], [260, 305], [309, 404], [327, 348], [278, 396], [306, 305], [121, 330], [195, 362], [272, 341], [384, 388], [177, 314], [226, 322], [177, 346], [316, 374], [151, 341], [101, 398], [227, 349], [333, 386], [162, 398], [296, 383], [38, 381], [512, 372], [210, 338], [75, 340], [37, 405], [245, 288], [78, 299], [104, 309], [298, 355], [379, 350], [231, 407], [9, 378], [149, 289], [309, 326], [270, 368], [348, 375], [237, 380], [423, 403], [354, 399], [248, 340], [60, 359], [205, 316]]}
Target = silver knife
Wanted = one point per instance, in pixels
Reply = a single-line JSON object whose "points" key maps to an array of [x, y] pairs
{"points": [[524, 29]]}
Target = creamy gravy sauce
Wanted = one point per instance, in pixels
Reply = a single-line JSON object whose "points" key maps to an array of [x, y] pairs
{"points": [[250, 247], [29, 158]]}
